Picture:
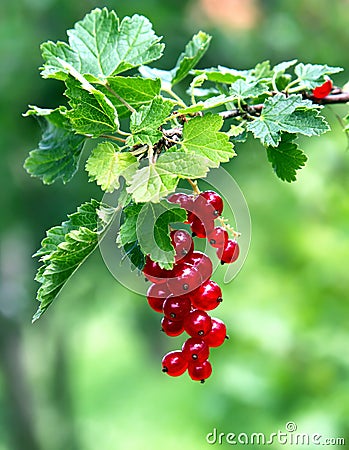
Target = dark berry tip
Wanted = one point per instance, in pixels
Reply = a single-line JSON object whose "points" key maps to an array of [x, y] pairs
{"points": [[185, 287], [212, 241], [222, 262], [227, 337], [193, 234], [201, 333], [165, 369], [173, 315], [219, 299], [195, 356], [202, 381]]}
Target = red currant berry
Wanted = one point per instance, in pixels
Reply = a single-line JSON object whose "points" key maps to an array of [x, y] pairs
{"points": [[197, 323], [174, 363], [201, 228], [323, 90], [182, 243], [156, 296], [186, 279], [195, 349], [202, 263], [218, 237], [207, 297], [153, 272], [217, 335], [176, 308], [183, 200], [172, 327], [229, 253], [199, 371], [214, 200]]}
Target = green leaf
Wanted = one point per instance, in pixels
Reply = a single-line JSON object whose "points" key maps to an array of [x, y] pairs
{"points": [[201, 136], [136, 91], [312, 75], [66, 247], [281, 68], [194, 51], [212, 102], [92, 112], [101, 46], [150, 184], [262, 71], [222, 74], [59, 150], [153, 231], [286, 158], [183, 164], [135, 255], [145, 122], [106, 164], [128, 230], [247, 89], [165, 76], [279, 115]]}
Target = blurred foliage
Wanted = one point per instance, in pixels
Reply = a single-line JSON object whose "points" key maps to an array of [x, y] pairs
{"points": [[88, 374]]}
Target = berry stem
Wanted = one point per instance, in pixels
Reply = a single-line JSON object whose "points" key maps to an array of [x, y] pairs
{"points": [[227, 227], [194, 186]]}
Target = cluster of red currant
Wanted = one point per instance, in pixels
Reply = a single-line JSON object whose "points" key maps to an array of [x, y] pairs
{"points": [[185, 293]]}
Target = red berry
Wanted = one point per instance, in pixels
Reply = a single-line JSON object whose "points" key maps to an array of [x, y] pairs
{"points": [[218, 237], [202, 263], [323, 90], [195, 349], [174, 363], [217, 335], [186, 279], [229, 253], [176, 308], [172, 327], [208, 296], [156, 296], [197, 323], [199, 371], [214, 200], [153, 272], [201, 228], [182, 243]]}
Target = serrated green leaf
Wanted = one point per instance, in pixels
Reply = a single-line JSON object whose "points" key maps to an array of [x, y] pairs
{"points": [[222, 74], [92, 112], [262, 71], [201, 136], [136, 91], [153, 231], [312, 75], [165, 76], [106, 165], [66, 247], [101, 46], [281, 68], [247, 89], [134, 254], [277, 116], [59, 150], [194, 51], [150, 184], [145, 122], [183, 164], [286, 158]]}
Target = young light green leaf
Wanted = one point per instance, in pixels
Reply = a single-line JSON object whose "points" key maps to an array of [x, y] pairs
{"points": [[145, 122], [59, 150], [247, 89], [222, 74], [183, 164], [165, 76], [92, 112], [262, 71], [286, 158], [210, 103], [136, 91], [66, 247], [101, 46], [281, 68], [194, 51], [312, 75], [275, 118], [153, 231], [201, 136], [106, 165], [151, 184]]}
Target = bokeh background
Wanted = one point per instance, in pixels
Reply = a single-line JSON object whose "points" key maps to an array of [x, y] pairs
{"points": [[88, 374]]}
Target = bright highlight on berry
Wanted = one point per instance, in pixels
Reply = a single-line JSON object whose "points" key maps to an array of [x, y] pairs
{"points": [[186, 293]]}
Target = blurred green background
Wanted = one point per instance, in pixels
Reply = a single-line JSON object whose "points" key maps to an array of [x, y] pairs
{"points": [[88, 374]]}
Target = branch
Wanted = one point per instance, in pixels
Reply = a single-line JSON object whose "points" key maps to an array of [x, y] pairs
{"points": [[336, 97]]}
